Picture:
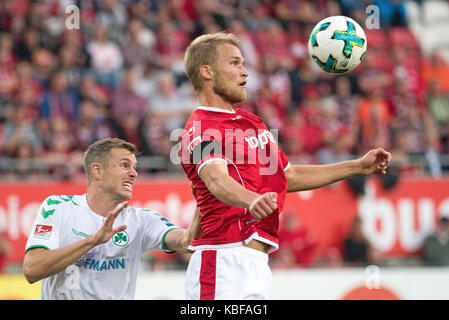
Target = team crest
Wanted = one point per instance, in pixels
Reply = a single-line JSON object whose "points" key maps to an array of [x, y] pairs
{"points": [[121, 238]]}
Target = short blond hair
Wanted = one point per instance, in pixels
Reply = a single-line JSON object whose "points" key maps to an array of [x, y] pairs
{"points": [[203, 51]]}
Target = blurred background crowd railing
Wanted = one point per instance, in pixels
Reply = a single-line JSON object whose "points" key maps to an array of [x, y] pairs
{"points": [[121, 74]]}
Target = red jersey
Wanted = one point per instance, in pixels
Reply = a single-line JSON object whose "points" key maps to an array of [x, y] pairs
{"points": [[253, 159]]}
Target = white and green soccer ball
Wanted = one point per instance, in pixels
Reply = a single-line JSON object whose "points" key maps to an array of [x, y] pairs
{"points": [[337, 44]]}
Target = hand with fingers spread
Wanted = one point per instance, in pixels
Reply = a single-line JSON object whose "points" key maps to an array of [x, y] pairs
{"points": [[264, 205], [106, 231]]}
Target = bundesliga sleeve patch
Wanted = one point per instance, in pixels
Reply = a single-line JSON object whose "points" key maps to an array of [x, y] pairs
{"points": [[42, 231]]}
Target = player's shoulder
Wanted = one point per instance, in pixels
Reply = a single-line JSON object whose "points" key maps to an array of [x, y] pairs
{"points": [[199, 123], [142, 214], [61, 199], [248, 115], [55, 205], [202, 117]]}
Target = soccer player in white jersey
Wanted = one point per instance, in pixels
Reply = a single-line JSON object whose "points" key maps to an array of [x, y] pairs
{"points": [[89, 246]]}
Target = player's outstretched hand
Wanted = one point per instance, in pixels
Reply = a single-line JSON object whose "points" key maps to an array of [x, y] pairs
{"points": [[106, 231], [375, 161], [263, 205]]}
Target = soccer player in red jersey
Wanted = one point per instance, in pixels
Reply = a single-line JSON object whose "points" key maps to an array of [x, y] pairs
{"points": [[240, 177]]}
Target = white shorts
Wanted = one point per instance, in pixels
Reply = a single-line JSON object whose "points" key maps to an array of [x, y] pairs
{"points": [[228, 274]]}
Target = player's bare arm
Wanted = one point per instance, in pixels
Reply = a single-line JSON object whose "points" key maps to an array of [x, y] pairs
{"points": [[216, 177], [308, 177], [40, 263], [179, 239]]}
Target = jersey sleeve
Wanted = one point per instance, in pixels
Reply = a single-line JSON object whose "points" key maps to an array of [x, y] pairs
{"points": [[155, 228], [284, 160], [201, 143], [46, 227]]}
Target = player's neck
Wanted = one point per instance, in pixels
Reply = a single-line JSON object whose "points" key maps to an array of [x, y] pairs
{"points": [[99, 202], [209, 99]]}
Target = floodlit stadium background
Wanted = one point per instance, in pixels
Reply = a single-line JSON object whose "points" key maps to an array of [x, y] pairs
{"points": [[118, 71]]}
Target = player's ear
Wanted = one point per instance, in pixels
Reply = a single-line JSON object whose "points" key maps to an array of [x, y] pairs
{"points": [[96, 170], [206, 72]]}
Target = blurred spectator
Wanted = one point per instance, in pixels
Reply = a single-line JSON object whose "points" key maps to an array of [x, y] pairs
{"points": [[248, 47], [272, 41], [435, 250], [357, 248], [313, 128], [439, 109], [44, 64], [58, 100], [112, 15], [106, 57], [5, 248], [337, 137], [64, 161], [8, 78], [18, 129], [400, 155], [146, 79], [69, 66], [28, 90], [23, 164], [304, 76], [125, 100], [92, 125], [373, 117], [393, 13], [28, 44], [275, 85], [139, 45], [91, 90], [297, 245], [298, 11], [171, 45], [77, 42], [129, 128], [168, 105], [436, 69]]}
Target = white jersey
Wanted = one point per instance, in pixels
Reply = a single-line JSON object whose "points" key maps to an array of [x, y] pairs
{"points": [[107, 271]]}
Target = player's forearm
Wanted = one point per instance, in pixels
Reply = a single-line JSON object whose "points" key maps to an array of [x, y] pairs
{"points": [[229, 191], [40, 263], [308, 177], [179, 239], [193, 230]]}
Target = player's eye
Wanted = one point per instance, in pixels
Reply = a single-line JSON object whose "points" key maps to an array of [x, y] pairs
{"points": [[125, 165]]}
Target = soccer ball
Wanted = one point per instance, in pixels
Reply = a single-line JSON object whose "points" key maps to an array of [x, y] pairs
{"points": [[337, 44]]}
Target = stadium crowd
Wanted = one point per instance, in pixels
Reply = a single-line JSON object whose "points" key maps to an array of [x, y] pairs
{"points": [[121, 74]]}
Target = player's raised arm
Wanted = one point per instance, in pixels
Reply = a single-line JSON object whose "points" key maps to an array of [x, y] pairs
{"points": [[216, 177], [179, 239], [40, 263], [307, 177]]}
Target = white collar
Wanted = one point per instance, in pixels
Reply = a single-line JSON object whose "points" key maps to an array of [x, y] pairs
{"points": [[215, 109]]}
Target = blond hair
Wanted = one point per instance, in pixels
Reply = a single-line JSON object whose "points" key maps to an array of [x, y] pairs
{"points": [[203, 51], [99, 152]]}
